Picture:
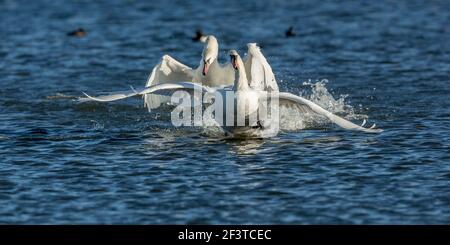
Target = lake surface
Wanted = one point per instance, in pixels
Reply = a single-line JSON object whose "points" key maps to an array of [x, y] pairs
{"points": [[64, 162]]}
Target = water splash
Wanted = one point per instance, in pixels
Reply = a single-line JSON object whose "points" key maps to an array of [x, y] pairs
{"points": [[293, 119], [321, 96]]}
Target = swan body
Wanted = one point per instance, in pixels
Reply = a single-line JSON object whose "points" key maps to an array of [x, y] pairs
{"points": [[245, 102]]}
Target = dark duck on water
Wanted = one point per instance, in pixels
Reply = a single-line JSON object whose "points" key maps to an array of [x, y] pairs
{"points": [[80, 32], [198, 36], [290, 32]]}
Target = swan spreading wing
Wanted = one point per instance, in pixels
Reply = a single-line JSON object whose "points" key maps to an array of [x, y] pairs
{"points": [[167, 70], [258, 70], [307, 106], [158, 89]]}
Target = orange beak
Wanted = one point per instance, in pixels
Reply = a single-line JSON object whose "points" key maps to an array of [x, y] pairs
{"points": [[205, 68]]}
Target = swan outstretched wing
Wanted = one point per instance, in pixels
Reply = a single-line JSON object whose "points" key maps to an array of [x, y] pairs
{"points": [[111, 96], [258, 70], [308, 106], [158, 89], [167, 70]]}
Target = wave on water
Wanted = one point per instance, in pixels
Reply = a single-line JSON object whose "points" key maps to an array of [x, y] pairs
{"points": [[60, 96]]}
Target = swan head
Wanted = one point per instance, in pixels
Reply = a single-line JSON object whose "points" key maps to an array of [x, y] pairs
{"points": [[210, 52], [252, 45], [253, 48], [240, 81], [235, 58]]}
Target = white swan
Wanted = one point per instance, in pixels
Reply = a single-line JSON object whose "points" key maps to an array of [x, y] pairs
{"points": [[246, 97], [210, 72], [250, 99]]}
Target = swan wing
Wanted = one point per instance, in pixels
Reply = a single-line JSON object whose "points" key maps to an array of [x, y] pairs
{"points": [[167, 70], [165, 89], [308, 106], [227, 74], [258, 70], [111, 96]]}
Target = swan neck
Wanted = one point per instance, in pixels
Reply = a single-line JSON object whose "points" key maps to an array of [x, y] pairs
{"points": [[240, 82]]}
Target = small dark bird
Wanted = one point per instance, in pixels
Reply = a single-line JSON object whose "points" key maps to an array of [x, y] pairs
{"points": [[198, 36], [290, 32], [80, 32]]}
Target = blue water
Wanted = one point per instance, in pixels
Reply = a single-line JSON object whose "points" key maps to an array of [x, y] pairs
{"points": [[62, 162]]}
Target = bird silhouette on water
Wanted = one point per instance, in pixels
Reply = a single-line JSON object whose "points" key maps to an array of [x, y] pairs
{"points": [[198, 35], [290, 32], [80, 32]]}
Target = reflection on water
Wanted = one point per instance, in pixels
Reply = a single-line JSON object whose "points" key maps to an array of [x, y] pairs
{"points": [[246, 147], [326, 140]]}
